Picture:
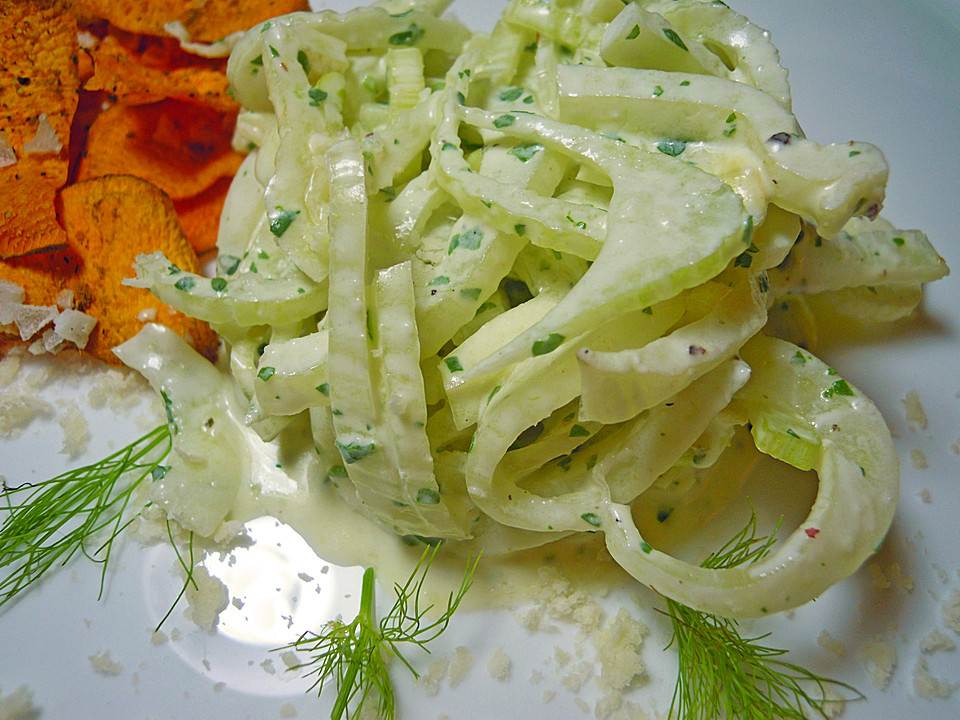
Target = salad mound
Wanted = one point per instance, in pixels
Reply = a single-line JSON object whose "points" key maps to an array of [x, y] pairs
{"points": [[511, 282]]}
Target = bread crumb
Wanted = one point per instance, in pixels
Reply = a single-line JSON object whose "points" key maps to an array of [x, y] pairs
{"points": [[103, 664], [879, 660], [918, 458], [914, 409], [460, 666], [288, 711], [950, 610], [18, 705], [499, 665], [829, 643], [936, 641], [927, 686]]}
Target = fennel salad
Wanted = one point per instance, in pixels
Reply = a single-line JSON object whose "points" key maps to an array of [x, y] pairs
{"points": [[496, 290]]}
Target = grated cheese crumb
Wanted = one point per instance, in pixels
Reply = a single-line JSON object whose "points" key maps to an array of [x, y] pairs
{"points": [[499, 665], [914, 409], [158, 637], [582, 704], [936, 641], [207, 597], [288, 711], [918, 458], [431, 679], [548, 695], [831, 644], [103, 664], [460, 666], [19, 409], [950, 610], [929, 687], [18, 705], [926, 496], [76, 434], [879, 660]]}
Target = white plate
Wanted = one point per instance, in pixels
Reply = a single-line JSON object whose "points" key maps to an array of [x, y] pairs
{"points": [[882, 71]]}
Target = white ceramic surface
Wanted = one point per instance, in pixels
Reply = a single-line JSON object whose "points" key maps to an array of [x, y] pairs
{"points": [[882, 71]]}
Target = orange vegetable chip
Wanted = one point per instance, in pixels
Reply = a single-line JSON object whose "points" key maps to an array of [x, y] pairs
{"points": [[181, 148], [109, 221], [38, 96], [200, 215], [205, 20], [121, 72], [214, 20]]}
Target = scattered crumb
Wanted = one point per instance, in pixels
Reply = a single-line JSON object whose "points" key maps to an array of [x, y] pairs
{"points": [[829, 643], [927, 686], [879, 659], [288, 711], [158, 637], [305, 577], [460, 666], [926, 496], [560, 656], [206, 665], [548, 695], [431, 679], [289, 658], [918, 458], [268, 667], [914, 409], [936, 641], [237, 603], [18, 705], [135, 679], [582, 704], [103, 664], [950, 610], [219, 686], [955, 447], [499, 665], [207, 597], [76, 433]]}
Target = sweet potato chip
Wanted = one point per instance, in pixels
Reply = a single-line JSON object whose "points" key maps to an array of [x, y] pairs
{"points": [[38, 96], [205, 20], [200, 215], [122, 72], [109, 221], [181, 148], [215, 20]]}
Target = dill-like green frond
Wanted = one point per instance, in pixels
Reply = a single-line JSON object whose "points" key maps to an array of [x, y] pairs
{"points": [[722, 674], [355, 655]]}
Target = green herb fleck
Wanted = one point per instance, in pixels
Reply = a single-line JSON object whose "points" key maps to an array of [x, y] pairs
{"points": [[281, 219], [186, 284], [266, 372], [470, 293], [635, 32], [525, 151], [504, 121], [546, 345], [324, 389], [520, 229], [453, 364], [672, 36], [591, 518], [511, 94], [671, 147], [428, 496], [353, 451], [410, 36], [440, 280], [579, 431]]}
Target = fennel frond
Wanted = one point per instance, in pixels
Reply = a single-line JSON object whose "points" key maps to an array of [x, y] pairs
{"points": [[82, 510], [723, 674], [355, 655]]}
